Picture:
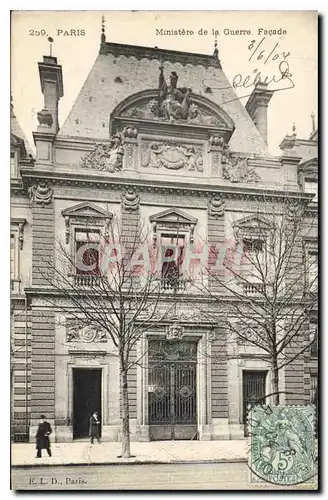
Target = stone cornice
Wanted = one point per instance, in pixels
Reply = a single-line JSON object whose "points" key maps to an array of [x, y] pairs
{"points": [[185, 297], [173, 56], [55, 179]]}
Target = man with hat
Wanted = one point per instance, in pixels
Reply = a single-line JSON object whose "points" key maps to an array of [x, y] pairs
{"points": [[42, 437]]}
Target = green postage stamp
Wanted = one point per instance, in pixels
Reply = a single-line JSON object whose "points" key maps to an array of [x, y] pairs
{"points": [[282, 444]]}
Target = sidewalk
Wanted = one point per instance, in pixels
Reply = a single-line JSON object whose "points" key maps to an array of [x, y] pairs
{"points": [[83, 453]]}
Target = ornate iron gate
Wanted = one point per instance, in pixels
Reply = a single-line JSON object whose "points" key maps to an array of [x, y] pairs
{"points": [[172, 389], [253, 392]]}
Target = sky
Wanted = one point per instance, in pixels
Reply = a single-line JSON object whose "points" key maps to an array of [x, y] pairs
{"points": [[77, 53]]}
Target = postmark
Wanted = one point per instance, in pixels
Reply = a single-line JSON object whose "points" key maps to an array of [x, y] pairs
{"points": [[282, 447]]}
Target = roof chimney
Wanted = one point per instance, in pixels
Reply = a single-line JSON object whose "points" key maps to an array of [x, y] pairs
{"points": [[256, 107], [51, 79]]}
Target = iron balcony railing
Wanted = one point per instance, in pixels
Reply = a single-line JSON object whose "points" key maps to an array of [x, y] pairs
{"points": [[88, 280], [253, 288], [176, 284]]}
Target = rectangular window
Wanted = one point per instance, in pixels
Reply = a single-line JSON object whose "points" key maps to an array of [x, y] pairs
{"points": [[12, 256], [311, 187], [314, 386], [314, 336], [253, 245], [87, 252], [312, 271], [13, 164]]}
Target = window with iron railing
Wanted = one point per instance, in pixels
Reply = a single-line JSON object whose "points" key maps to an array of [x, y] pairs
{"points": [[87, 256], [172, 247]]}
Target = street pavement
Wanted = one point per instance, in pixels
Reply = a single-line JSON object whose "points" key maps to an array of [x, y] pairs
{"points": [[191, 476], [23, 454]]}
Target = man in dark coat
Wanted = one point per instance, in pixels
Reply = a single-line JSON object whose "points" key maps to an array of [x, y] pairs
{"points": [[42, 437], [94, 427]]}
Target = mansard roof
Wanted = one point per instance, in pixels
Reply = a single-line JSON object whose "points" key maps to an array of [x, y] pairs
{"points": [[121, 70], [17, 136]]}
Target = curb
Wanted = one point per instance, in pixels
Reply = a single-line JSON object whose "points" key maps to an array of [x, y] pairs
{"points": [[137, 462]]}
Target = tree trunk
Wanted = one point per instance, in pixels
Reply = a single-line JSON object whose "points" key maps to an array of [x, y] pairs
{"points": [[275, 381], [125, 414]]}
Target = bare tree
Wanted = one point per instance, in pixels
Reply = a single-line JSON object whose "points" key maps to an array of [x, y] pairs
{"points": [[105, 285], [268, 286]]}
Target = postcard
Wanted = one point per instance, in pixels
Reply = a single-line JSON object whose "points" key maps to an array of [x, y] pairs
{"points": [[164, 250]]}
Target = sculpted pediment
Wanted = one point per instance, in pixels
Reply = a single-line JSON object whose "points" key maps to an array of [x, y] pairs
{"points": [[86, 214], [173, 216], [86, 210], [251, 226], [199, 111]]}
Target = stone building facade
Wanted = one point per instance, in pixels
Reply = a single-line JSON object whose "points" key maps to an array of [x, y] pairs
{"points": [[146, 148]]}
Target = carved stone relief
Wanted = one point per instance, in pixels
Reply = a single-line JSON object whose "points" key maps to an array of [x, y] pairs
{"points": [[216, 206], [45, 118], [150, 111], [130, 201], [172, 155], [106, 157], [41, 193], [173, 104], [87, 334], [174, 332], [237, 169], [129, 150], [232, 168]]}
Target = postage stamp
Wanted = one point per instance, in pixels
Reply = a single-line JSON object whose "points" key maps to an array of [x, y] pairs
{"points": [[282, 447]]}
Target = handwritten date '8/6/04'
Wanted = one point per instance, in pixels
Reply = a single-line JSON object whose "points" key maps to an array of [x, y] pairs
{"points": [[261, 55]]}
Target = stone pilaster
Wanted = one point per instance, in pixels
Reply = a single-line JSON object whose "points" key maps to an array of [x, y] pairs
{"points": [[130, 148], [294, 376], [43, 319], [20, 369], [216, 241], [219, 386], [130, 218]]}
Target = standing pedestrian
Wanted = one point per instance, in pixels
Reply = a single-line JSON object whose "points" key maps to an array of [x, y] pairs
{"points": [[42, 437], [94, 427]]}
